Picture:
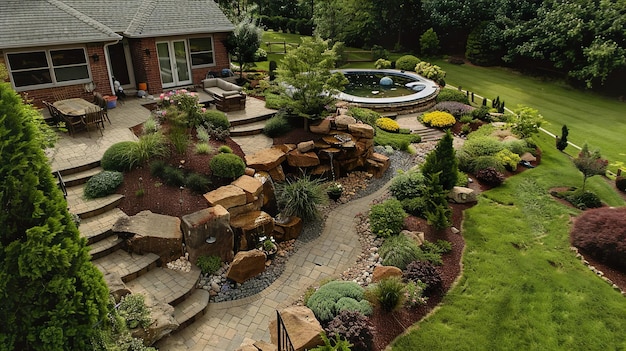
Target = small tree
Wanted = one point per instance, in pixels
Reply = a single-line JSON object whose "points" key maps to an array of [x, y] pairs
{"points": [[244, 41], [443, 160], [306, 70], [590, 163], [526, 121], [561, 143], [429, 43]]}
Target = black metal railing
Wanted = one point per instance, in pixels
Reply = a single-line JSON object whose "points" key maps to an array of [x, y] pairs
{"points": [[57, 174], [284, 343]]}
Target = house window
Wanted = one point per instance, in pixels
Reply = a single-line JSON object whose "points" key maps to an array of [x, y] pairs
{"points": [[48, 68], [201, 51]]}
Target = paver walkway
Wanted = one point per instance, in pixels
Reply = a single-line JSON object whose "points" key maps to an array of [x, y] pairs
{"points": [[226, 325]]}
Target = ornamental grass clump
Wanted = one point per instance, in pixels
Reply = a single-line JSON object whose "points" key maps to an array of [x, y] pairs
{"points": [[399, 251], [336, 296], [118, 157], [387, 293], [301, 197], [387, 218], [438, 119], [388, 124]]}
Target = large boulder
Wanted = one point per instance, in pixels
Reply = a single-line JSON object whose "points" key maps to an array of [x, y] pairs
{"points": [[266, 159], [227, 196], [163, 321], [246, 265], [288, 230], [361, 130], [462, 195], [269, 197], [296, 158], [377, 164], [116, 285], [384, 272], [251, 186], [207, 232], [277, 173], [322, 128], [152, 232], [343, 121], [248, 227], [302, 327]]}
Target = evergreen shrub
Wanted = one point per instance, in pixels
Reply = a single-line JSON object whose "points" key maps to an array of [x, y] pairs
{"points": [[225, 149], [103, 184], [583, 199], [214, 118], [395, 140], [364, 115], [387, 218], [407, 185], [173, 176], [324, 301], [387, 124], [227, 166], [209, 264], [133, 309], [197, 182], [407, 63], [452, 95]]}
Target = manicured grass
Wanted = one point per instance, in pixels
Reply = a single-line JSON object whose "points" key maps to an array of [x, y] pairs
{"points": [[522, 288], [591, 118]]}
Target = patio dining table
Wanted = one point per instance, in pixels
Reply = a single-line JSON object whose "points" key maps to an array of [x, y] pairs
{"points": [[74, 107]]}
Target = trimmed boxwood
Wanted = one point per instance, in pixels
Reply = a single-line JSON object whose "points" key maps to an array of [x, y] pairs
{"points": [[118, 157], [217, 119], [103, 184], [387, 218], [227, 166], [407, 63]]}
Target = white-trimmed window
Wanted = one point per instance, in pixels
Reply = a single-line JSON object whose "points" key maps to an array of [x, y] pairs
{"points": [[46, 68], [201, 51]]}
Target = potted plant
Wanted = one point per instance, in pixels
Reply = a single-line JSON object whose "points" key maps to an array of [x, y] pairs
{"points": [[334, 191], [268, 246]]}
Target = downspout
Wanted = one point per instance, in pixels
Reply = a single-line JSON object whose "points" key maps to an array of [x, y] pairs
{"points": [[108, 63]]}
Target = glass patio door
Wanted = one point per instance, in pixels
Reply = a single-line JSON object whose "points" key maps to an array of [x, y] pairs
{"points": [[173, 63]]}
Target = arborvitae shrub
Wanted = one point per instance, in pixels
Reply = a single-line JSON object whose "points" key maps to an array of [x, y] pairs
{"points": [[387, 218], [103, 184], [227, 166], [601, 233], [324, 301], [354, 327], [118, 157], [427, 273], [490, 176], [407, 63], [452, 95], [398, 251]]}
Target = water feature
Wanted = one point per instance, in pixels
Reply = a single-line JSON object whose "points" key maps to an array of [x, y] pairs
{"points": [[409, 90]]}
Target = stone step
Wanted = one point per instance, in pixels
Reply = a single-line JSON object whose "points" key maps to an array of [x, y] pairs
{"points": [[244, 120], [166, 285], [78, 178], [128, 266], [192, 308], [247, 129], [85, 208], [105, 246], [77, 169], [98, 227]]}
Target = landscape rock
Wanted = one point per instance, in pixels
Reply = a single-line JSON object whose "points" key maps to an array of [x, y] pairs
{"points": [[418, 237], [227, 196], [343, 121], [246, 264], [289, 230], [384, 272], [377, 164], [277, 173], [296, 158], [306, 146], [266, 159], [361, 130], [303, 329], [248, 227], [528, 157], [251, 186], [208, 232], [151, 232], [322, 128], [116, 285], [462, 195], [163, 321]]}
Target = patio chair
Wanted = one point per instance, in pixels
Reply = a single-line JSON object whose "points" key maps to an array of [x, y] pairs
{"points": [[71, 123], [93, 118], [55, 115], [99, 100]]}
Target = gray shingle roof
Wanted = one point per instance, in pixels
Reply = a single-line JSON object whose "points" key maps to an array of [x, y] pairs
{"points": [[27, 23]]}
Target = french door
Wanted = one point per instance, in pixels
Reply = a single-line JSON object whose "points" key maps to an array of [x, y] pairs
{"points": [[174, 63]]}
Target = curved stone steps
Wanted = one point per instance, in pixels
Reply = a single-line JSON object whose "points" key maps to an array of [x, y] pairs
{"points": [[81, 177], [247, 129], [192, 308], [128, 266], [98, 227], [85, 208], [166, 285], [105, 247]]}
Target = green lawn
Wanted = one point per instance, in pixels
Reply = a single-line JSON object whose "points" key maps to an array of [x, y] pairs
{"points": [[591, 118], [522, 288]]}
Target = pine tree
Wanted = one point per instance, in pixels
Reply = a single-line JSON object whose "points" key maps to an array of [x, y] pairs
{"points": [[52, 295], [443, 160]]}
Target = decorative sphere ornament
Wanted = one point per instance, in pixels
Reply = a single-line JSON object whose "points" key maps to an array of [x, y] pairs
{"points": [[386, 81]]}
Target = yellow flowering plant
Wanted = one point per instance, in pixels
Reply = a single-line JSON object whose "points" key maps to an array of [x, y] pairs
{"points": [[438, 119], [387, 124]]}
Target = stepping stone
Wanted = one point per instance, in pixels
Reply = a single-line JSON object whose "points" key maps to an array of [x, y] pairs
{"points": [[166, 285], [127, 266]]}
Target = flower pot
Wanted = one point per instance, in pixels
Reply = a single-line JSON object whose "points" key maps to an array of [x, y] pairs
{"points": [[334, 196]]}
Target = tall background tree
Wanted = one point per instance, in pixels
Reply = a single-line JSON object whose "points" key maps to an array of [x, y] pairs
{"points": [[52, 295], [244, 41]]}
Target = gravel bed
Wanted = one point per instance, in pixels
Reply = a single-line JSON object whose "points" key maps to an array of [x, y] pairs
{"points": [[356, 185]]}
